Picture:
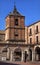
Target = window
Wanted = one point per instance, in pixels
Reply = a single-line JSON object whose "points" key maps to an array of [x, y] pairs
{"points": [[37, 29], [36, 39], [16, 34], [30, 40], [1, 37], [16, 22], [30, 32]]}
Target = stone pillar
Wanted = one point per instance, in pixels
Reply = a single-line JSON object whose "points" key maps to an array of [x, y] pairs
{"points": [[33, 55], [22, 59], [11, 56], [8, 54]]}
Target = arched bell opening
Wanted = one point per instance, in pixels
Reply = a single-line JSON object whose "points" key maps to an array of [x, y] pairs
{"points": [[17, 54], [37, 50]]}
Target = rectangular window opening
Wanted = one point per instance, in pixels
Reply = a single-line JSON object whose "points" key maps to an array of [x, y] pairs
{"points": [[16, 22]]}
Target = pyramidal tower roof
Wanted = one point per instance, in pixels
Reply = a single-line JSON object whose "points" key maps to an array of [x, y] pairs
{"points": [[15, 12]]}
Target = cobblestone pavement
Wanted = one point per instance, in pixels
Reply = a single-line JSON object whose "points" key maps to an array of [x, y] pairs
{"points": [[5, 63], [20, 63], [27, 63]]}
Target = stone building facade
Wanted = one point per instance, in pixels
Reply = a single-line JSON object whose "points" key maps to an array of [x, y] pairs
{"points": [[18, 42]]}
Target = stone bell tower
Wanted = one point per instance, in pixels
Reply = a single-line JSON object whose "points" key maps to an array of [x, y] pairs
{"points": [[15, 27]]}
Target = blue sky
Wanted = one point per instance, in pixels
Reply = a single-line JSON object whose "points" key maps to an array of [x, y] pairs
{"points": [[29, 8]]}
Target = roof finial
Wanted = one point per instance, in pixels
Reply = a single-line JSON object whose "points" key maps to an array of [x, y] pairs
{"points": [[15, 6], [14, 3]]}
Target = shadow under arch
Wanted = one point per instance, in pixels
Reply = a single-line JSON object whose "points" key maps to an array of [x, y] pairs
{"points": [[37, 50], [17, 54], [30, 53]]}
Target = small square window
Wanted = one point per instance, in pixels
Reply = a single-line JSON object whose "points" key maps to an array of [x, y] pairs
{"points": [[16, 34]]}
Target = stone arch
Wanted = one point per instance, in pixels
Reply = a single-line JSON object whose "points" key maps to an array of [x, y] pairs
{"points": [[37, 49], [36, 46], [17, 54]]}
